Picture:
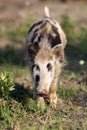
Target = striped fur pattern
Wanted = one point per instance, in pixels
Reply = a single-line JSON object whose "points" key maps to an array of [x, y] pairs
{"points": [[45, 45]]}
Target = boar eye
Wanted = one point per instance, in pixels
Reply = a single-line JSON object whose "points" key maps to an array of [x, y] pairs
{"points": [[49, 66], [35, 66]]}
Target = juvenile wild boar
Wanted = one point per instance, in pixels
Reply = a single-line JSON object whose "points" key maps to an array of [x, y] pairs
{"points": [[45, 45]]}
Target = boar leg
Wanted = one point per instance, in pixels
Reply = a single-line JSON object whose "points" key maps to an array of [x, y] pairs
{"points": [[53, 95]]}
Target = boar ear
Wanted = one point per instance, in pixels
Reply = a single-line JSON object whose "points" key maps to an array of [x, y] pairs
{"points": [[32, 51], [58, 50]]}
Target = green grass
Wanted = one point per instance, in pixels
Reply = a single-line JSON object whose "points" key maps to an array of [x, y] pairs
{"points": [[67, 93], [76, 35], [16, 33], [23, 109]]}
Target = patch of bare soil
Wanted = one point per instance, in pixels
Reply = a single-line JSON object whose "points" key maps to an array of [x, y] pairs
{"points": [[24, 80], [17, 11]]}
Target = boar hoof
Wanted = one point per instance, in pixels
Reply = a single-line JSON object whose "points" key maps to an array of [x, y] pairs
{"points": [[54, 106]]}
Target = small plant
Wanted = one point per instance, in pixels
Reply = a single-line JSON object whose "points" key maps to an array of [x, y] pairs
{"points": [[6, 84]]}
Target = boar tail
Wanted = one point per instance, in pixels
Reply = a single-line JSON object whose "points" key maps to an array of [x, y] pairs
{"points": [[46, 10]]}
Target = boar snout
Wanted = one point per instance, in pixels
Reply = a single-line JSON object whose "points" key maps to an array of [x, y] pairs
{"points": [[42, 93]]}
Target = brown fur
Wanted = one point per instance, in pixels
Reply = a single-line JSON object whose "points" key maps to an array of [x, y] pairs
{"points": [[45, 53], [46, 41]]}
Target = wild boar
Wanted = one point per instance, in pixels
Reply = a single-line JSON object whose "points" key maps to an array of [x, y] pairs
{"points": [[45, 44]]}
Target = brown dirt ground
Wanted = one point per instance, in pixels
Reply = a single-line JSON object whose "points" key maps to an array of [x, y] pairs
{"points": [[17, 11]]}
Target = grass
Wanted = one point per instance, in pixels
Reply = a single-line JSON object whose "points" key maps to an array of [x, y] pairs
{"points": [[76, 35], [23, 110], [16, 32], [19, 109]]}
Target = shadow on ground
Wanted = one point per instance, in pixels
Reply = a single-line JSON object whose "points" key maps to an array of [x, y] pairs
{"points": [[21, 94], [10, 55], [73, 56]]}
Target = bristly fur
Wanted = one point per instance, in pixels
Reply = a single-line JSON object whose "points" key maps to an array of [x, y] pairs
{"points": [[45, 46], [44, 53], [46, 27]]}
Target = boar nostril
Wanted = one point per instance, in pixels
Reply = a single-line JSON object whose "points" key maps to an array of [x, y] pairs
{"points": [[37, 78]]}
